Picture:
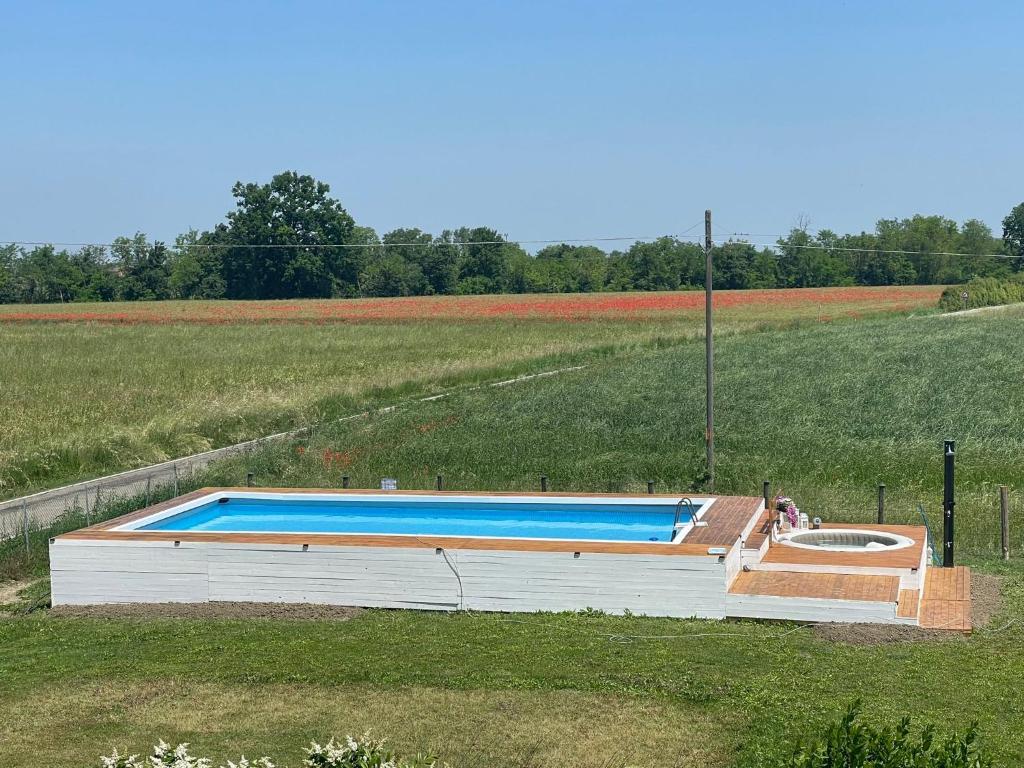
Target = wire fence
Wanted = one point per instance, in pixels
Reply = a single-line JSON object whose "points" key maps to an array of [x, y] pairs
{"points": [[91, 501]]}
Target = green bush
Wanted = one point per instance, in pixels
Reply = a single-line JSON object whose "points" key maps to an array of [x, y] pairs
{"points": [[852, 743], [983, 292]]}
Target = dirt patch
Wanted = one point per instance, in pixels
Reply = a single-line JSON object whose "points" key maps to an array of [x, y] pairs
{"points": [[986, 597], [295, 612], [986, 602], [9, 591]]}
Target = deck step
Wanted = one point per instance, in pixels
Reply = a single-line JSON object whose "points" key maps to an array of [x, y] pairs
{"points": [[946, 603], [909, 603], [824, 586]]}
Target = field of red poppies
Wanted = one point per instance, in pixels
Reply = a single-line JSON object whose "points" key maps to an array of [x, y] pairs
{"points": [[751, 305]]}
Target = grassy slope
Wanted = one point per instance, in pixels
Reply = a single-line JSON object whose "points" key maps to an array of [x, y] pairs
{"points": [[824, 411], [80, 400]]}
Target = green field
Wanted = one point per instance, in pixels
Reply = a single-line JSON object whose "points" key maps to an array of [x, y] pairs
{"points": [[825, 411], [86, 390], [82, 400]]}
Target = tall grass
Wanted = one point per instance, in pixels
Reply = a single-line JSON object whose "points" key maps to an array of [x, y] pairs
{"points": [[81, 399]]}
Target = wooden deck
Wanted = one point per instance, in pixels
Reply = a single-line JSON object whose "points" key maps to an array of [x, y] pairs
{"points": [[824, 586], [726, 520], [762, 529], [947, 599], [909, 557]]}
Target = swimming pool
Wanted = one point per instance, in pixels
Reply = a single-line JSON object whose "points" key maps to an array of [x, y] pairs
{"points": [[653, 554], [569, 518]]}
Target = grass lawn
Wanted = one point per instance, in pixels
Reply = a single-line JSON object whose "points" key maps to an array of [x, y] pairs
{"points": [[89, 389], [490, 689]]}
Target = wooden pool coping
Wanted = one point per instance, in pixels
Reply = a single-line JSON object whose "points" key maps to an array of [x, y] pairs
{"points": [[726, 520]]}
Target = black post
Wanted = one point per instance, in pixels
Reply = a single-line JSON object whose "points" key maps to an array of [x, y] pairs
{"points": [[440, 482], [881, 503], [344, 481], [766, 489], [709, 355], [949, 456], [249, 479], [650, 486], [544, 483]]}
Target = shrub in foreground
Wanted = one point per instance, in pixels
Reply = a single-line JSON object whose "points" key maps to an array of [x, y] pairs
{"points": [[852, 743], [366, 752]]}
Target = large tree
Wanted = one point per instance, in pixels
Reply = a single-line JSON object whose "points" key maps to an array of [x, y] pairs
{"points": [[1013, 232], [282, 241]]}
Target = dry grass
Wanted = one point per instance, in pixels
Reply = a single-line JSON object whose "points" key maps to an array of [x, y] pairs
{"points": [[465, 728]]}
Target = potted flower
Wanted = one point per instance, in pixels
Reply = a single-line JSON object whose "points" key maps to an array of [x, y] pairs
{"points": [[789, 515]]}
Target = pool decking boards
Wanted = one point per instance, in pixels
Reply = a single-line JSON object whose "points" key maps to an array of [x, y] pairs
{"points": [[946, 603], [824, 586], [726, 520]]}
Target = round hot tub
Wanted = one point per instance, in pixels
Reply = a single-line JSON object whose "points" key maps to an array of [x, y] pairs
{"points": [[845, 540]]}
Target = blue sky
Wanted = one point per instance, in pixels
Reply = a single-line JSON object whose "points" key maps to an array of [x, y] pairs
{"points": [[545, 120]]}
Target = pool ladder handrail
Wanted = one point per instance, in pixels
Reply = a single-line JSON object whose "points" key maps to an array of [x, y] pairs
{"points": [[691, 507]]}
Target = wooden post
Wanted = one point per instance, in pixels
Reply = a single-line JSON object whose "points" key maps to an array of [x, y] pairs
{"points": [[709, 355], [148, 490], [87, 523], [881, 503], [440, 482], [1004, 519], [24, 523], [650, 486], [544, 483], [175, 467]]}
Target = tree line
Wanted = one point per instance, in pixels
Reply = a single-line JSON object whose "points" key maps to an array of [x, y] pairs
{"points": [[290, 239]]}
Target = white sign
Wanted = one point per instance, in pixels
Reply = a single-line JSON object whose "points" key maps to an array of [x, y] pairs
{"points": [[388, 484]]}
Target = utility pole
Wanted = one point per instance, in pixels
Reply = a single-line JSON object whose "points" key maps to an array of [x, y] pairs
{"points": [[709, 341]]}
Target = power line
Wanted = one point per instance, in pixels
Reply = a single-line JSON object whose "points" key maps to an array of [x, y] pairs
{"points": [[869, 250]]}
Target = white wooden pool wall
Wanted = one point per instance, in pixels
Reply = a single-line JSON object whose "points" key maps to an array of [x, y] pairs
{"points": [[87, 572]]}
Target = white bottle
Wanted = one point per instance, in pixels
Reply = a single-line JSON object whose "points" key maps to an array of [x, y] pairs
{"points": [[805, 522]]}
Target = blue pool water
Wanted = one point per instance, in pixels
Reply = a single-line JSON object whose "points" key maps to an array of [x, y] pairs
{"points": [[434, 517]]}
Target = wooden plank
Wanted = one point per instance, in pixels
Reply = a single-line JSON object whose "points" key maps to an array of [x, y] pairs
{"points": [[421, 542], [816, 610], [825, 586], [909, 603]]}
